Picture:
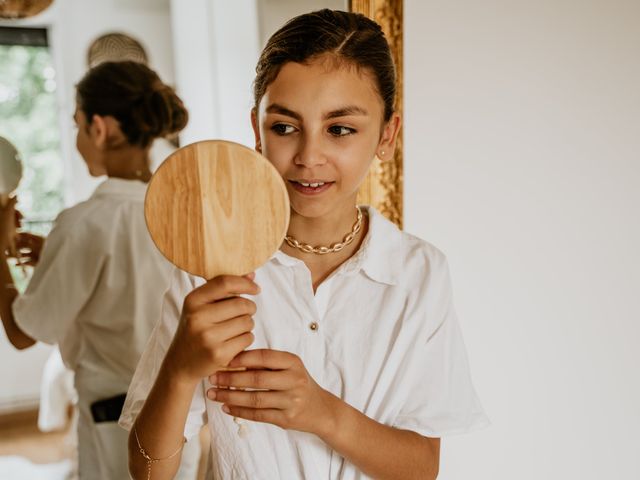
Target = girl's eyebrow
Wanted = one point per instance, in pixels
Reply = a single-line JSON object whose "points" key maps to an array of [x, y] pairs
{"points": [[346, 111], [341, 112], [276, 108]]}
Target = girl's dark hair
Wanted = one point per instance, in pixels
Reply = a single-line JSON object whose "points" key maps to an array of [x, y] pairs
{"points": [[348, 36], [135, 96]]}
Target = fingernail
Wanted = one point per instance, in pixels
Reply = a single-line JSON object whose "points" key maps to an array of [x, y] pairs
{"points": [[225, 409], [211, 393], [213, 379]]}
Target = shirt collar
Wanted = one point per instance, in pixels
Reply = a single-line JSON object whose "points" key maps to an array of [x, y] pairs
{"points": [[118, 187], [378, 257]]}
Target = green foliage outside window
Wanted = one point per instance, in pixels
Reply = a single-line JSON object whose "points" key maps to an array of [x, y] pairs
{"points": [[29, 120]]}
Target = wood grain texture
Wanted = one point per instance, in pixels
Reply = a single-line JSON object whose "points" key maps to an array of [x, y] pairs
{"points": [[217, 207]]}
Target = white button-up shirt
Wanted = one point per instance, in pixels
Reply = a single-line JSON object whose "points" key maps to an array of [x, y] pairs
{"points": [[97, 290], [380, 333]]}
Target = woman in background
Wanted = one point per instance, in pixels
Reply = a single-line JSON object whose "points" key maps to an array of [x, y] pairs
{"points": [[96, 290]]}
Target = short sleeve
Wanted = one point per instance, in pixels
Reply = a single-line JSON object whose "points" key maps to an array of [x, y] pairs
{"points": [[441, 400], [153, 356], [62, 282]]}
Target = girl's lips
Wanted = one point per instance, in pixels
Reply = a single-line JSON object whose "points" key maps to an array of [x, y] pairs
{"points": [[310, 190]]}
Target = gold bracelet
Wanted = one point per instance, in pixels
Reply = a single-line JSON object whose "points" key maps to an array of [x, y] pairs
{"points": [[150, 460]]}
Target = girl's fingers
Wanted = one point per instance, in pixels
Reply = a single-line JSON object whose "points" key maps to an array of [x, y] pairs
{"points": [[236, 344], [232, 328], [252, 399], [264, 358], [221, 287], [260, 379], [224, 310], [268, 415], [25, 260]]}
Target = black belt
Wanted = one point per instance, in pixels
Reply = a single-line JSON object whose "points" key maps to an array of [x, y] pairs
{"points": [[108, 409]]}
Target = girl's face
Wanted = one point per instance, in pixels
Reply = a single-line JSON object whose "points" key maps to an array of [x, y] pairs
{"points": [[320, 124]]}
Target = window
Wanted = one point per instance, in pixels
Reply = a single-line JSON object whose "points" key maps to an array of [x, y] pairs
{"points": [[29, 120]]}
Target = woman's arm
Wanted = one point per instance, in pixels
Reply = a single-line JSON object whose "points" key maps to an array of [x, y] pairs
{"points": [[8, 292], [291, 399], [214, 327]]}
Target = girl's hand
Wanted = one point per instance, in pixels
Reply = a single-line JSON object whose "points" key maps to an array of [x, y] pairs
{"points": [[29, 247], [8, 223], [288, 397], [215, 326]]}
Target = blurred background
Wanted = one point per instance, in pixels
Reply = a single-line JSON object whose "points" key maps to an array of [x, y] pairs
{"points": [[522, 163]]}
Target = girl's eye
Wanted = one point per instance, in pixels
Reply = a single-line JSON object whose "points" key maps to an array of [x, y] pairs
{"points": [[340, 131], [283, 128]]}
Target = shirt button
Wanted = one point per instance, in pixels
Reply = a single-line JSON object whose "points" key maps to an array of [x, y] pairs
{"points": [[313, 326]]}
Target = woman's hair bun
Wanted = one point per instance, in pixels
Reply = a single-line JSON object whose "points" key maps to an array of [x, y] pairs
{"points": [[133, 94]]}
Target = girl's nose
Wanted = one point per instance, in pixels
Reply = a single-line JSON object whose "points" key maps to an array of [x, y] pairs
{"points": [[310, 153]]}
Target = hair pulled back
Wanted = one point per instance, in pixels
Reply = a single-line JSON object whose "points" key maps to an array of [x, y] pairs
{"points": [[348, 36], [135, 96]]}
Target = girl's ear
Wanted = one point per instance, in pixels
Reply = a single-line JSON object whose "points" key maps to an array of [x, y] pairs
{"points": [[98, 131], [256, 129], [387, 145]]}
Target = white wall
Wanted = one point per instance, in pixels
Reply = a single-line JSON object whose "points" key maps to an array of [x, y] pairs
{"points": [[217, 46], [20, 375], [73, 25], [274, 13], [522, 137]]}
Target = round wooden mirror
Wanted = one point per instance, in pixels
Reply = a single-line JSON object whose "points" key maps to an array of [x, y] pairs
{"points": [[217, 208]]}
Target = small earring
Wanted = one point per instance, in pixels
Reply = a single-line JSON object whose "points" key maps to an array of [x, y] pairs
{"points": [[381, 153]]}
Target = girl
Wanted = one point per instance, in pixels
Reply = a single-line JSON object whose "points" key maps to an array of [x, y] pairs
{"points": [[357, 365], [95, 289]]}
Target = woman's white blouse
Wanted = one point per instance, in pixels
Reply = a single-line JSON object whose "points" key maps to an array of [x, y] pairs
{"points": [[97, 290], [381, 333]]}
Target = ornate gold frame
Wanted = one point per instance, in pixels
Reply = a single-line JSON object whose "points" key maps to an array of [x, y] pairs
{"points": [[383, 186]]}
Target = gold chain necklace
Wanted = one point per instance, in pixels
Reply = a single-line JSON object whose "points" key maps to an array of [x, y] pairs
{"points": [[336, 247]]}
